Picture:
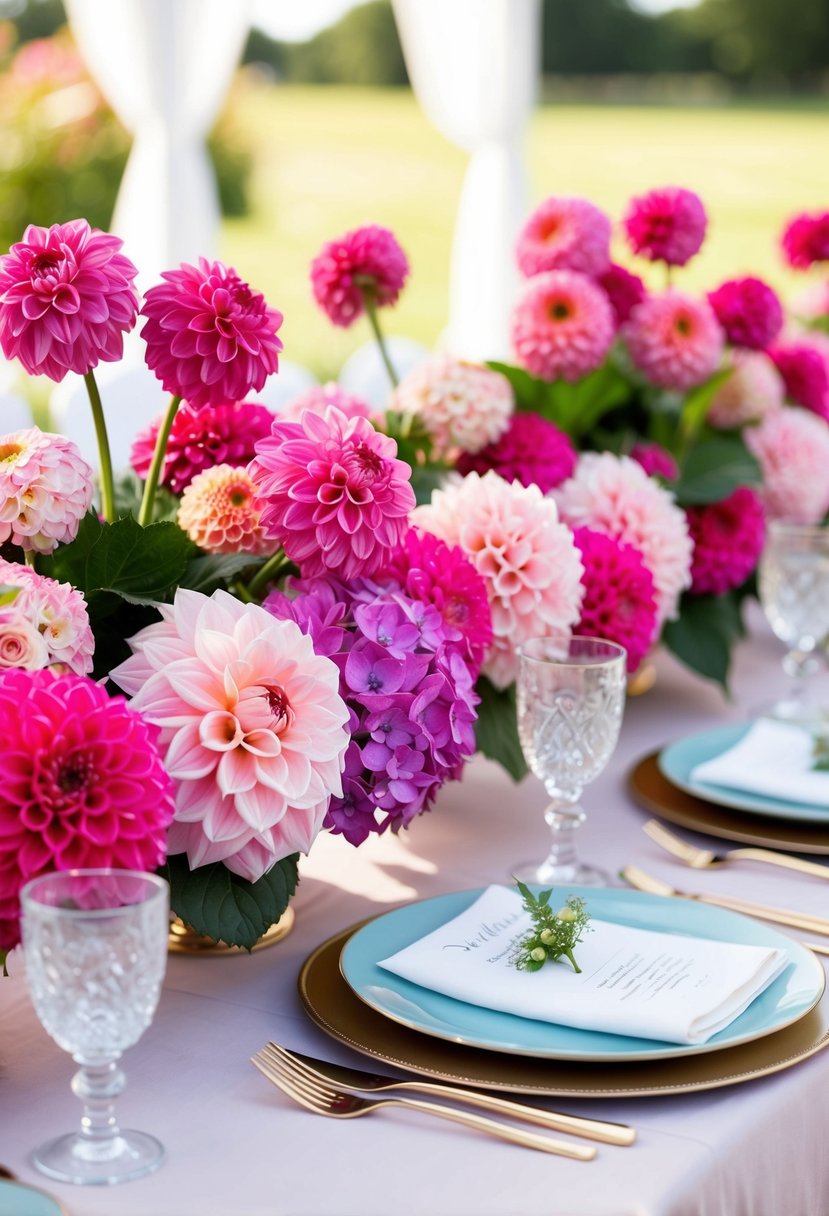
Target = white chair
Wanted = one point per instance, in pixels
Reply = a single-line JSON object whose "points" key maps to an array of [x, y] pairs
{"points": [[364, 374]]}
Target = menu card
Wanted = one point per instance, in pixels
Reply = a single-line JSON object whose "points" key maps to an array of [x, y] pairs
{"points": [[773, 758], [635, 982]]}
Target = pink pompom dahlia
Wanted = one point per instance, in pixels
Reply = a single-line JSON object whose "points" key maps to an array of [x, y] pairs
{"points": [[81, 784], [210, 337], [318, 399], [792, 446], [805, 370], [614, 494], [562, 326], [752, 390], [532, 451], [666, 225], [336, 496], [728, 539], [805, 239], [66, 299], [459, 404], [564, 234], [200, 439], [749, 312], [619, 596], [526, 556], [674, 340], [623, 289], [58, 615], [366, 262], [46, 489], [220, 512], [252, 728]]}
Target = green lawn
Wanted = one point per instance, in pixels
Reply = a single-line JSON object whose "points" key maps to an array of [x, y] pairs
{"points": [[328, 159]]}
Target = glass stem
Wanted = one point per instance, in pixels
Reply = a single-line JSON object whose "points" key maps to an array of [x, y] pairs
{"points": [[563, 818], [97, 1086]]}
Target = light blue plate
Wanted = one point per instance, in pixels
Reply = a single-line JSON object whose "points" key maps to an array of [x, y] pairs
{"points": [[19, 1199], [678, 760], [790, 997]]}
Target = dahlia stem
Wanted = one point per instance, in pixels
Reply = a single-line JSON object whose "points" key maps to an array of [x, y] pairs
{"points": [[30, 559], [104, 457], [374, 322], [145, 513], [264, 574]]}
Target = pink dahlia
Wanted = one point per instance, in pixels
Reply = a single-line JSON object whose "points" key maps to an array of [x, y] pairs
{"points": [[336, 497], [655, 460], [526, 556], [562, 326], [82, 784], [805, 239], [623, 289], [728, 538], [752, 390], [614, 494], [459, 404], [252, 728], [220, 512], [749, 312], [66, 299], [619, 597], [564, 234], [532, 451], [45, 489], [366, 263], [200, 439], [666, 225], [792, 446], [210, 337], [57, 612], [318, 399], [674, 340], [805, 371]]}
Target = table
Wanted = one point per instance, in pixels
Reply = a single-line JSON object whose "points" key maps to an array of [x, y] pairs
{"points": [[236, 1147]]}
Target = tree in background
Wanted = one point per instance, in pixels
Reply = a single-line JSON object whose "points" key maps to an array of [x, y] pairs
{"points": [[765, 42]]}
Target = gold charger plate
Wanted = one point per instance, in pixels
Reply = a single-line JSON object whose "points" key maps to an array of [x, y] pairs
{"points": [[332, 1005], [653, 791]]}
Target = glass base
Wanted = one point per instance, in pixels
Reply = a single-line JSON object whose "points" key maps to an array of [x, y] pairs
{"points": [[75, 1158], [549, 874]]}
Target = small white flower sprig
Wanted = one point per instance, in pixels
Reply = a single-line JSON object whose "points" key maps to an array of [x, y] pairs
{"points": [[554, 935]]}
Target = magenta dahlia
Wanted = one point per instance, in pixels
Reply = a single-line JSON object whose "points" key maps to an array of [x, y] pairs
{"points": [[564, 234], [210, 337], [728, 538], [674, 340], [66, 299], [364, 263], [666, 225], [45, 489], [82, 784], [803, 367], [336, 496], [562, 326], [619, 596], [624, 290], [805, 239], [532, 451], [749, 312], [655, 460]]}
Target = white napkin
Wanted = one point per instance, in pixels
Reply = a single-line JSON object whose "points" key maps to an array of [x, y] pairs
{"points": [[633, 981], [774, 759]]}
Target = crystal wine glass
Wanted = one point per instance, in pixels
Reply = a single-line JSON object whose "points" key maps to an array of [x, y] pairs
{"points": [[95, 946], [571, 697], [793, 584]]}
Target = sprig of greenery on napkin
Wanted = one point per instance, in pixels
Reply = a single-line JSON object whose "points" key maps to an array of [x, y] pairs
{"points": [[554, 935]]}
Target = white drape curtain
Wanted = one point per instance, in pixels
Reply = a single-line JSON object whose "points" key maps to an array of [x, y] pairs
{"points": [[165, 67], [474, 66]]}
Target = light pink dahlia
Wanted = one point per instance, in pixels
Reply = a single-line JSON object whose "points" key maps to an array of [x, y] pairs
{"points": [[531, 450], [459, 404], [320, 396], [66, 299], [674, 340], [336, 497], [58, 614], [526, 556], [619, 597], [564, 234], [614, 494], [804, 366], [728, 538], [81, 784], [201, 439], [805, 239], [749, 311], [220, 512], [812, 301], [210, 337], [562, 326], [20, 643], [45, 489], [666, 225], [792, 446], [253, 728], [624, 290], [754, 388], [366, 262]]}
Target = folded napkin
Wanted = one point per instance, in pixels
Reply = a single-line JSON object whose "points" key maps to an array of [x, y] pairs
{"points": [[774, 759], [633, 981]]}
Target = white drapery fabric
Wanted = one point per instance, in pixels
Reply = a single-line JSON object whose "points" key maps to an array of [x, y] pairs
{"points": [[165, 67], [474, 66]]}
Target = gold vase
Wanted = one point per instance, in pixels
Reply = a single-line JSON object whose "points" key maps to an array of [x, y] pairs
{"points": [[184, 940]]}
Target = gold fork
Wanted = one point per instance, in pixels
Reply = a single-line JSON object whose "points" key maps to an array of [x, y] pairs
{"points": [[353, 1080], [704, 859], [325, 1099]]}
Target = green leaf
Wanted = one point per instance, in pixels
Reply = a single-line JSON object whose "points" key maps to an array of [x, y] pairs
{"points": [[529, 390], [497, 728], [206, 572], [129, 491], [713, 469], [577, 407], [225, 907], [704, 634], [8, 594], [696, 404]]}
